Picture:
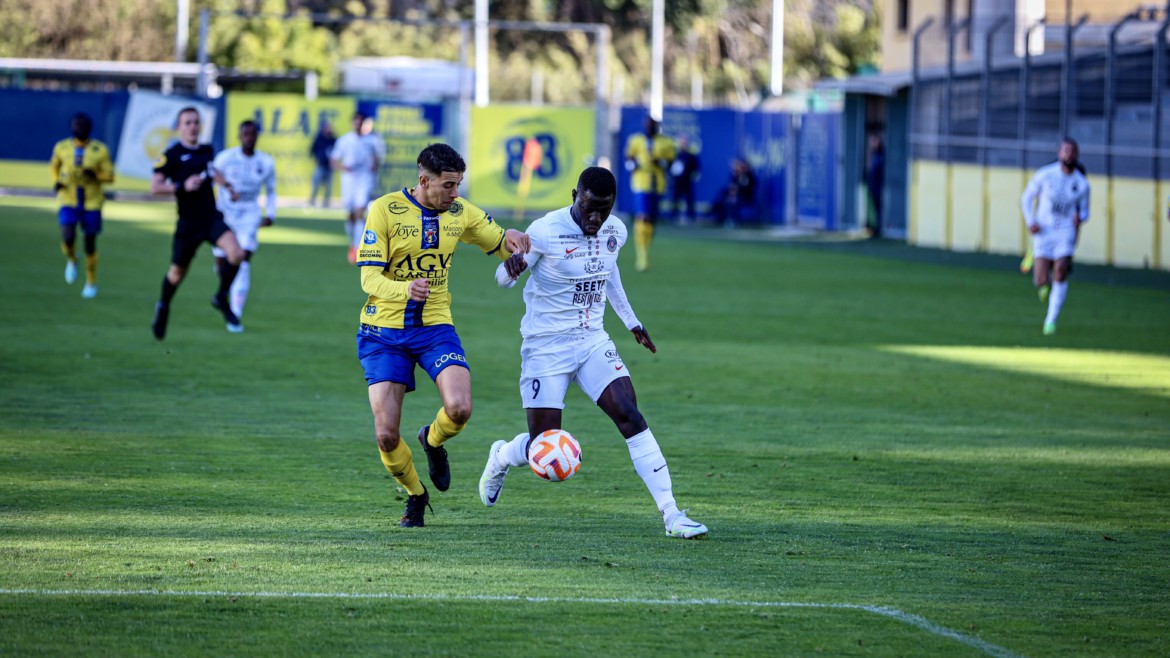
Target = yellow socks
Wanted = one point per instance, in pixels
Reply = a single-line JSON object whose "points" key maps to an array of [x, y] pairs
{"points": [[69, 250], [443, 428], [91, 263], [643, 236], [398, 461]]}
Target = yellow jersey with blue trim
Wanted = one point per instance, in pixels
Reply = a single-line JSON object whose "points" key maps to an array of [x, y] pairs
{"points": [[651, 156], [68, 164], [404, 241]]}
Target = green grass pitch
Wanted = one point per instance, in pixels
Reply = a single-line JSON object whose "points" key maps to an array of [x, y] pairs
{"points": [[891, 458]]}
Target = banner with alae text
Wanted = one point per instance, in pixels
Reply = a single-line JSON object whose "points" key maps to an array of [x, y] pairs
{"points": [[288, 125], [496, 166]]}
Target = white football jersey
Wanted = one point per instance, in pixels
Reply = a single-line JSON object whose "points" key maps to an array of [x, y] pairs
{"points": [[248, 176], [1062, 197], [354, 151], [571, 277]]}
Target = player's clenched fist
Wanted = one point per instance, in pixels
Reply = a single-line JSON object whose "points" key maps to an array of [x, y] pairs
{"points": [[419, 289], [515, 265], [516, 241]]}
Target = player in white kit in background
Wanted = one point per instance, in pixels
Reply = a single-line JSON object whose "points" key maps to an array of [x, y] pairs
{"points": [[241, 172], [574, 268], [1055, 204], [357, 154]]}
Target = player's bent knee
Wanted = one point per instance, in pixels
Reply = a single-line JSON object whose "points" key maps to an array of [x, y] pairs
{"points": [[459, 412], [388, 441]]}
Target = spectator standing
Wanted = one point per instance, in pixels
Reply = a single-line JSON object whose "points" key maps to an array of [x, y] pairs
{"points": [[323, 170], [684, 173]]}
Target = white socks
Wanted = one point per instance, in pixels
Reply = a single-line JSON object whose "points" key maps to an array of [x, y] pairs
{"points": [[516, 452], [651, 467], [1056, 300], [239, 289]]}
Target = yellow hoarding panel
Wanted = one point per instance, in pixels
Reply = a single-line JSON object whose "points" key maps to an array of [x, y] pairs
{"points": [[497, 175], [288, 124]]}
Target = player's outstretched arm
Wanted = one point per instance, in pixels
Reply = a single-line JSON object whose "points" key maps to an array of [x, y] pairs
{"points": [[510, 270], [616, 295]]}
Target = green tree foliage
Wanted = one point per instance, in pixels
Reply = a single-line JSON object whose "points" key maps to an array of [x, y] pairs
{"points": [[722, 45]]}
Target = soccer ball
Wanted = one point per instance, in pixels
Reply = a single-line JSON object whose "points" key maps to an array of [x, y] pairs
{"points": [[554, 456]]}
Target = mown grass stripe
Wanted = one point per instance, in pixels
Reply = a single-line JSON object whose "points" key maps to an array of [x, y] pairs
{"points": [[916, 621]]}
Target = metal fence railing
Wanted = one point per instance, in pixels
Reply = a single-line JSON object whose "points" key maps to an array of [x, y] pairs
{"points": [[1013, 111]]}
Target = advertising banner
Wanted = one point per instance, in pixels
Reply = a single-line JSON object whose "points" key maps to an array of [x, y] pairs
{"points": [[406, 128], [559, 143], [288, 125], [717, 136], [149, 128]]}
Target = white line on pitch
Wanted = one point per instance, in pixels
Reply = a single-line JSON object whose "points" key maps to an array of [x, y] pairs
{"points": [[916, 621]]}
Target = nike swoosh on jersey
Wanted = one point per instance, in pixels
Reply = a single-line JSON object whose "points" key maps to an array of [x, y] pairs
{"points": [[185, 158], [569, 251], [618, 367]]}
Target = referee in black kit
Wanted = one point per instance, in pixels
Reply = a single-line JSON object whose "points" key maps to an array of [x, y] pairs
{"points": [[185, 171]]}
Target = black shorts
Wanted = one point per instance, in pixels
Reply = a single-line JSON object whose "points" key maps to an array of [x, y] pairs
{"points": [[189, 234]]}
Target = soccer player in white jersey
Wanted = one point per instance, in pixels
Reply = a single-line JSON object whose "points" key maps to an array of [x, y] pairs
{"points": [[573, 260], [1055, 204], [241, 172], [357, 156]]}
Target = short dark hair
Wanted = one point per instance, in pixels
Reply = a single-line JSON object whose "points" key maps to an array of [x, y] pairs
{"points": [[439, 158], [82, 117], [189, 108], [598, 180], [249, 122]]}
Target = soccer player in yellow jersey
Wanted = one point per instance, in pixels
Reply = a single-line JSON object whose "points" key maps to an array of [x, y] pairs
{"points": [[80, 166], [648, 154], [405, 258]]}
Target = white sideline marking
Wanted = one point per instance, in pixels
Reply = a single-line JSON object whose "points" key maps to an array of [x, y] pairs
{"points": [[893, 613]]}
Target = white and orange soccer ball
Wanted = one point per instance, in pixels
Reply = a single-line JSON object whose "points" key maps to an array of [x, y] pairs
{"points": [[554, 456]]}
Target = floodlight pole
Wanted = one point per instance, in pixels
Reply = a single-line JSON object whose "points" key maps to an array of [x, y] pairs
{"points": [[481, 53], [204, 26], [657, 38], [777, 47], [182, 27]]}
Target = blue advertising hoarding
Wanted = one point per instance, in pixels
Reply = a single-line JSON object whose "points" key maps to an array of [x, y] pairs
{"points": [[718, 136]]}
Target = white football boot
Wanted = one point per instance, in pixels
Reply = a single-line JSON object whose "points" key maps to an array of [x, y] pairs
{"points": [[681, 527], [492, 480]]}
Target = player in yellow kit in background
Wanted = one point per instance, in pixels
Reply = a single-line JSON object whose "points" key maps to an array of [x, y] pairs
{"points": [[80, 166], [405, 256], [648, 154]]}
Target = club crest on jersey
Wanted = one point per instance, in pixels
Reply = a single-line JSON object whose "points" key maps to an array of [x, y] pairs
{"points": [[397, 207], [430, 232], [611, 244], [456, 209], [593, 266], [369, 237]]}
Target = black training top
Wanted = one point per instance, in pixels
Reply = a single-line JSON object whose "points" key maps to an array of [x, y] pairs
{"points": [[178, 164]]}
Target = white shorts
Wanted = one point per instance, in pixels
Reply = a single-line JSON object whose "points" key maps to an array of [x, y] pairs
{"points": [[356, 188], [548, 365], [245, 224], [1054, 243]]}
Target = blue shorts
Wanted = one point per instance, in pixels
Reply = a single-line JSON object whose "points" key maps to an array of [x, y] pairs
{"points": [[91, 220], [389, 355], [646, 205]]}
